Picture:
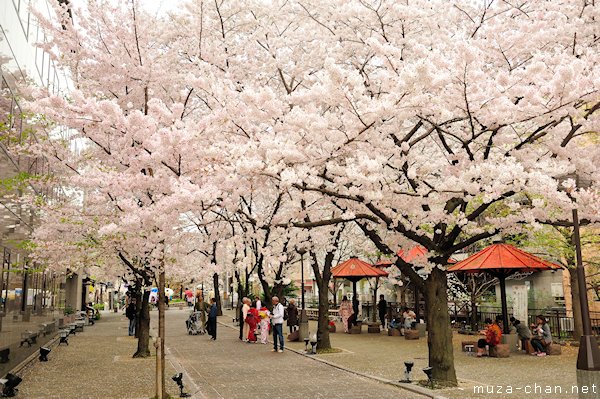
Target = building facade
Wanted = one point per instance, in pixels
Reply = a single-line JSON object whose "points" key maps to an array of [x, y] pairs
{"points": [[30, 295]]}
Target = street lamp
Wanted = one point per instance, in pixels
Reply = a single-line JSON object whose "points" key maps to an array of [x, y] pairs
{"points": [[588, 358]]}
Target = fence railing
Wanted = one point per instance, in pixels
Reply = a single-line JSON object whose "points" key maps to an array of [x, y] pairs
{"points": [[561, 325]]}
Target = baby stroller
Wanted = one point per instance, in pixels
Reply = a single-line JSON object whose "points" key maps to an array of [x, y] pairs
{"points": [[194, 324]]}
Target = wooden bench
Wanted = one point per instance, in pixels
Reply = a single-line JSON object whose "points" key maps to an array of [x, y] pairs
{"points": [[500, 351], [554, 349], [374, 328], [394, 332], [29, 338]]}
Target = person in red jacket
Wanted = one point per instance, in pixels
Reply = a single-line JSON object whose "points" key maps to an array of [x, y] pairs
{"points": [[493, 336]]}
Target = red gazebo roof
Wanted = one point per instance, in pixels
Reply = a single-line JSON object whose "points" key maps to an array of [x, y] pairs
{"points": [[355, 268], [502, 258]]}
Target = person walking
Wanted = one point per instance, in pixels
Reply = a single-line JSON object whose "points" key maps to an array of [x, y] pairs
{"points": [[212, 319], [245, 309], [203, 308], [292, 313], [130, 312], [189, 297], [277, 321], [382, 308], [345, 312]]}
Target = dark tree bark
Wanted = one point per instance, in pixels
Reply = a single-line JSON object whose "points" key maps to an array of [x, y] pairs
{"points": [[439, 341], [143, 327]]}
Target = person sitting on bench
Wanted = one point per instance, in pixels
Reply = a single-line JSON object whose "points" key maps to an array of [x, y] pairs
{"points": [[544, 337], [523, 332], [493, 336]]}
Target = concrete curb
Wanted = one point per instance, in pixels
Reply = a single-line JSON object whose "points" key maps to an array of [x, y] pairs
{"points": [[409, 387]]}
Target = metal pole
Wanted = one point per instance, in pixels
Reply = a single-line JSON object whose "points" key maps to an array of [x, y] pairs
{"points": [[502, 278], [302, 277], [588, 357]]}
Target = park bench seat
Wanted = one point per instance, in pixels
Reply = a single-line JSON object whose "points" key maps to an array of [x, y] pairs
{"points": [[373, 327], [4, 352], [28, 337]]}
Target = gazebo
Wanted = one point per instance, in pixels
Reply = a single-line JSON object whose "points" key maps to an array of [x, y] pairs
{"points": [[501, 261], [355, 270]]}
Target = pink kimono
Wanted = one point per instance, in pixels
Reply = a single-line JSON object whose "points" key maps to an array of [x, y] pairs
{"points": [[345, 312], [265, 324]]}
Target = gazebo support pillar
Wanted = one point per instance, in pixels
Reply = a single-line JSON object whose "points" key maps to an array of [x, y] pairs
{"points": [[502, 278]]}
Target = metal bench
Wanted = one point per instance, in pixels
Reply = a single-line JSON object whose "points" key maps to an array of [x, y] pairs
{"points": [[79, 324], [4, 352], [29, 338]]}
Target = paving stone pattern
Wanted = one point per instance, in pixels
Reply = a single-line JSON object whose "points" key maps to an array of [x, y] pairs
{"points": [[228, 368], [98, 364]]}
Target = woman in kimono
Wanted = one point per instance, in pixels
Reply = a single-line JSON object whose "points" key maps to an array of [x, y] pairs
{"points": [[252, 320], [345, 312], [265, 323]]}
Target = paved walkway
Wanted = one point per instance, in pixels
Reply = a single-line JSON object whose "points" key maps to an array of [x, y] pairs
{"points": [[228, 368], [382, 356], [98, 364]]}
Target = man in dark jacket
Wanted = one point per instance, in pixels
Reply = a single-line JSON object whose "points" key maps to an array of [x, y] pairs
{"points": [[212, 319], [292, 315], [382, 308], [130, 312]]}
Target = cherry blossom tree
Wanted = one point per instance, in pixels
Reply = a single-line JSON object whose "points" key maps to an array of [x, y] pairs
{"points": [[413, 120]]}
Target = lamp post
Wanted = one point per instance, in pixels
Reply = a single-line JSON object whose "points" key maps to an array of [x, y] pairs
{"points": [[588, 358], [303, 322]]}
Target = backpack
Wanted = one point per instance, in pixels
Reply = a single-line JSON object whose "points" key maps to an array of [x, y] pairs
{"points": [[285, 314]]}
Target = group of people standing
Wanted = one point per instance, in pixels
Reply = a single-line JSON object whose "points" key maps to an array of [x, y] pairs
{"points": [[207, 309], [257, 321]]}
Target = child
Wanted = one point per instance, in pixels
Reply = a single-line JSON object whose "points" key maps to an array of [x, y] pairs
{"points": [[265, 323]]}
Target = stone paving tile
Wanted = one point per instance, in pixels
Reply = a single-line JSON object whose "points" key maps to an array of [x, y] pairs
{"points": [[383, 356], [96, 364], [228, 368]]}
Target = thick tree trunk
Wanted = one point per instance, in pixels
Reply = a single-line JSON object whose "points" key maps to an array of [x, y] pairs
{"points": [[323, 321], [441, 355], [473, 313], [143, 327], [576, 304], [217, 294]]}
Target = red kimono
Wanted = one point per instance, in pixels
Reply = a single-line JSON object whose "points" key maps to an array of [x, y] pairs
{"points": [[252, 320]]}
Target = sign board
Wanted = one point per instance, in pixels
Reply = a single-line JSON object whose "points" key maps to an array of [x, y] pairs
{"points": [[520, 303]]}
